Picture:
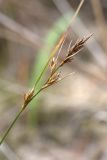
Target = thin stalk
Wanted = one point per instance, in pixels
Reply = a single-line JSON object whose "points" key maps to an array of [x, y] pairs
{"points": [[52, 54], [77, 11], [12, 124], [56, 48], [17, 116]]}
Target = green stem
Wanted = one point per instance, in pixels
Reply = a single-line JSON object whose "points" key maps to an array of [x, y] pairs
{"points": [[5, 135], [16, 118], [44, 68]]}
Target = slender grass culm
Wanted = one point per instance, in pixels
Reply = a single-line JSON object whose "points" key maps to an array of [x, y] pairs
{"points": [[54, 66]]}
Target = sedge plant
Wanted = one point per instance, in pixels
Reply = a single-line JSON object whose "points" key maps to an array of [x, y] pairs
{"points": [[54, 66]]}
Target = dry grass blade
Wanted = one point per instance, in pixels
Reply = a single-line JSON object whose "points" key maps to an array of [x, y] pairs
{"points": [[78, 9]]}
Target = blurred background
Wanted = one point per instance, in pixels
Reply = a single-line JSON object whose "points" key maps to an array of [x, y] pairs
{"points": [[68, 120]]}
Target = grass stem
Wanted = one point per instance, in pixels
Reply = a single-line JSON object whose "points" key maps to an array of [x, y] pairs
{"points": [[12, 124]]}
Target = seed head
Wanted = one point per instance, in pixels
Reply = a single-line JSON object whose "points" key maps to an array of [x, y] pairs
{"points": [[28, 96], [79, 44]]}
